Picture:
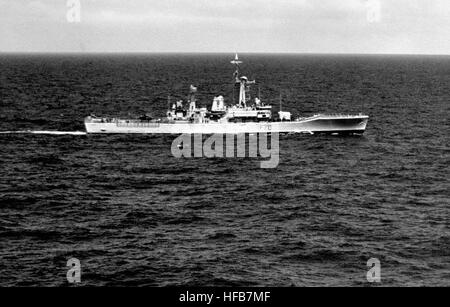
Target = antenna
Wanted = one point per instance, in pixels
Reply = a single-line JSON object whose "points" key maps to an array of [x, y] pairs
{"points": [[236, 60], [236, 63], [281, 101]]}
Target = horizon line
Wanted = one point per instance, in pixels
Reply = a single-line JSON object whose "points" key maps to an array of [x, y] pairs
{"points": [[214, 52]]}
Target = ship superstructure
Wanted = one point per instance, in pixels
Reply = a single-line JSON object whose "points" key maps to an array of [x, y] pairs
{"points": [[244, 115]]}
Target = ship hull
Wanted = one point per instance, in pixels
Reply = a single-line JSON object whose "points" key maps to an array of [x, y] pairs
{"points": [[313, 125]]}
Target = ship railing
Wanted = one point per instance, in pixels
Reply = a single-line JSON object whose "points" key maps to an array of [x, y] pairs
{"points": [[133, 124], [340, 115], [101, 120], [122, 122]]}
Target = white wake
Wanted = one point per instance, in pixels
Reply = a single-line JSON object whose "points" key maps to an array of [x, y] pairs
{"points": [[44, 132]]}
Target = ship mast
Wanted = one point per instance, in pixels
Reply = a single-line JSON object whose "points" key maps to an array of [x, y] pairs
{"points": [[236, 63], [281, 102], [240, 82]]}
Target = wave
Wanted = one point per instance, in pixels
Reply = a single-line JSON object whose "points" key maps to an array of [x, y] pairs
{"points": [[45, 132]]}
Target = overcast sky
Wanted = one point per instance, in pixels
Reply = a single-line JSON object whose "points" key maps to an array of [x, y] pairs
{"points": [[312, 26]]}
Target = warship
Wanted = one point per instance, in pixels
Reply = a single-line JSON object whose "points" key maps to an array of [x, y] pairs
{"points": [[244, 115]]}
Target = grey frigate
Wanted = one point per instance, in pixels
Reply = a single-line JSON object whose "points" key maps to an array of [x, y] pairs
{"points": [[243, 115]]}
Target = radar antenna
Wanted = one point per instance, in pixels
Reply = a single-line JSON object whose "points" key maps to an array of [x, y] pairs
{"points": [[236, 63]]}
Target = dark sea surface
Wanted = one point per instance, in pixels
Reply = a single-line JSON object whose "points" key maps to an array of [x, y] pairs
{"points": [[135, 215]]}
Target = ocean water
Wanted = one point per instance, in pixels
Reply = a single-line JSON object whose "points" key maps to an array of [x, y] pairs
{"points": [[135, 215]]}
